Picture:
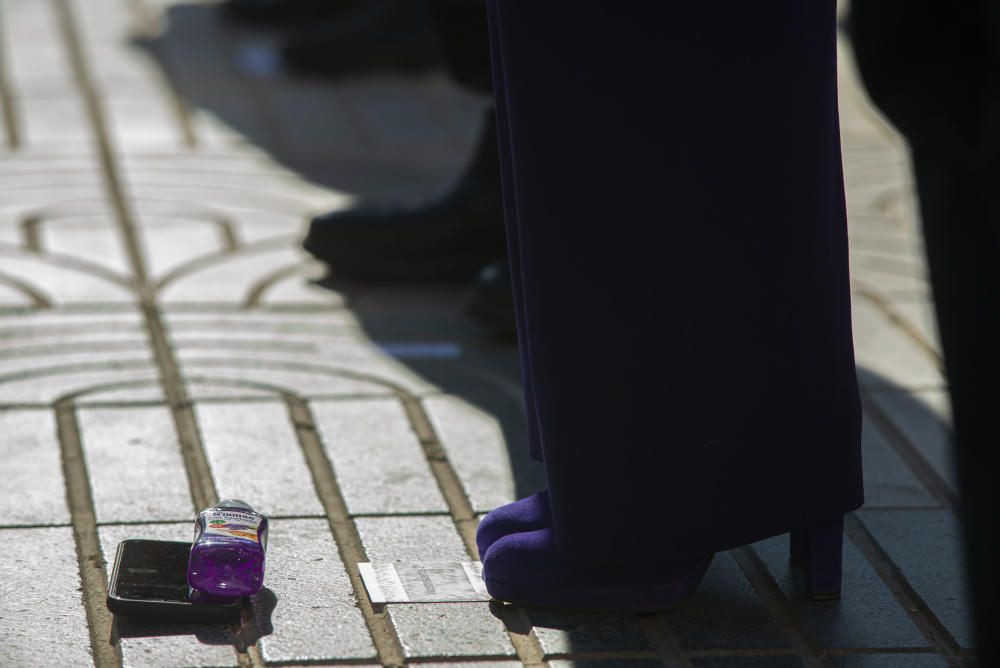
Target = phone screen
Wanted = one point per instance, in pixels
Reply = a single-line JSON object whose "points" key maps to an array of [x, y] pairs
{"points": [[153, 570]]}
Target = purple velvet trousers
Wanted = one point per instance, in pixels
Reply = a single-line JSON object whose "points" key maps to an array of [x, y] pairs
{"points": [[676, 223]]}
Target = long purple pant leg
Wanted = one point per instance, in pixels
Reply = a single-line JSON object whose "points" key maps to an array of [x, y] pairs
{"points": [[673, 183]]}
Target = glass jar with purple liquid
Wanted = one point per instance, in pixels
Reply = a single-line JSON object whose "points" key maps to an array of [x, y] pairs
{"points": [[227, 555]]}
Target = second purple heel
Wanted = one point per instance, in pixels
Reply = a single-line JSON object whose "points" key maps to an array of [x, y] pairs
{"points": [[819, 549]]}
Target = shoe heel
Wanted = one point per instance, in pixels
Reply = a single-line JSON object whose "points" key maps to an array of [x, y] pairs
{"points": [[819, 549]]}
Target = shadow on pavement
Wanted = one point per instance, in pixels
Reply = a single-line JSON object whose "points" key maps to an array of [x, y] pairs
{"points": [[244, 635]]}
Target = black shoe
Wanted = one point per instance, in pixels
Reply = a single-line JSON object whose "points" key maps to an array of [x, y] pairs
{"points": [[277, 13], [447, 240], [394, 36], [490, 301]]}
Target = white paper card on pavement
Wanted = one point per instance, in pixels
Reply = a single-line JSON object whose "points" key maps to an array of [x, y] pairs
{"points": [[424, 582]]}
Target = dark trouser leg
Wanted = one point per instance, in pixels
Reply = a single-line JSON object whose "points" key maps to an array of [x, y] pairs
{"points": [[513, 241], [675, 189]]}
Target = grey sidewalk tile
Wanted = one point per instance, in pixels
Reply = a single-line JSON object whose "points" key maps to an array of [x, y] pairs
{"points": [[55, 327], [888, 480], [921, 315], [48, 120], [315, 616], [924, 417], [450, 629], [31, 469], [91, 239], [62, 284], [867, 616], [216, 374], [567, 632], [377, 458], [476, 448], [148, 124], [433, 629], [148, 644], [402, 538], [725, 613], [885, 356], [44, 623], [255, 456], [48, 385], [292, 327], [899, 660], [925, 545], [134, 461]]}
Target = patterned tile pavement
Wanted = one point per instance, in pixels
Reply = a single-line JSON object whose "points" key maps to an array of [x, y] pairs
{"points": [[163, 343]]}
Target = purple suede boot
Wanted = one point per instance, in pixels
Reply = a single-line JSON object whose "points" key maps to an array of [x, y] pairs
{"points": [[526, 514], [526, 569]]}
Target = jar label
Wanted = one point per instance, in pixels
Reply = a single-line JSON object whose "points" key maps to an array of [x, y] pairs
{"points": [[232, 524]]}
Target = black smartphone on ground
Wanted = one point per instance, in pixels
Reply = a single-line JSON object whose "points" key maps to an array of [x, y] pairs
{"points": [[149, 581]]}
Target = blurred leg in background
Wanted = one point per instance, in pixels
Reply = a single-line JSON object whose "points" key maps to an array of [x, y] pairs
{"points": [[449, 238], [934, 70]]}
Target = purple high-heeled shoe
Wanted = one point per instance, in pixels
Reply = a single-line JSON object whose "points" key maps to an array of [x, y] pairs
{"points": [[819, 549], [526, 569], [526, 514]]}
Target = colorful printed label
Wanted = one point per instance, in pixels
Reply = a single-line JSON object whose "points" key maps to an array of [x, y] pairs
{"points": [[232, 524]]}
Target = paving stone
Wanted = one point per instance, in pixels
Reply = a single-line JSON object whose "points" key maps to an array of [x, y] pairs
{"points": [[11, 296], [54, 121], [31, 469], [377, 458], [867, 615], [48, 386], [450, 629], [25, 359], [55, 327], [232, 278], [134, 460], [145, 123], [565, 632], [255, 456], [61, 284], [889, 661], [921, 315], [888, 480], [308, 326], [433, 629], [151, 644], [41, 612], [924, 416], [476, 448], [292, 377], [725, 613], [315, 616], [886, 356], [93, 241], [411, 538], [925, 545], [298, 288], [173, 242]]}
